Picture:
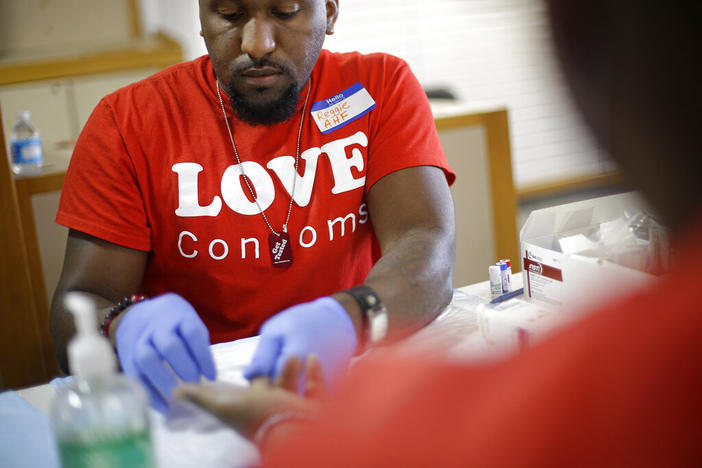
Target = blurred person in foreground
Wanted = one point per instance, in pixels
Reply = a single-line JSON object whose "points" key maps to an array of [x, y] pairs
{"points": [[623, 387]]}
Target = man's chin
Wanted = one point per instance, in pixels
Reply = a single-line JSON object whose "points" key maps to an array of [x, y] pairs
{"points": [[262, 100], [266, 110]]}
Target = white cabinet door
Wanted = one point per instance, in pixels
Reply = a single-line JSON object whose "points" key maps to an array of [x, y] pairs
{"points": [[466, 152], [60, 108], [51, 238], [49, 104]]}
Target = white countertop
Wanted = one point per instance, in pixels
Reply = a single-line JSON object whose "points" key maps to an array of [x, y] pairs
{"points": [[469, 329]]}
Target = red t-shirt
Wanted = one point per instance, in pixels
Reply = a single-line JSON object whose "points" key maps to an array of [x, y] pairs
{"points": [[154, 170], [622, 388]]}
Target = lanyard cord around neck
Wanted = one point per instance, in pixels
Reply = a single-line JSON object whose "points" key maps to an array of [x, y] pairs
{"points": [[297, 158]]}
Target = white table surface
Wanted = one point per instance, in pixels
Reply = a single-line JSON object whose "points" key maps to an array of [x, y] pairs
{"points": [[40, 396], [469, 328]]}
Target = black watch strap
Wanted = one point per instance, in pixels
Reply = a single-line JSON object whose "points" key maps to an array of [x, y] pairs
{"points": [[375, 316]]}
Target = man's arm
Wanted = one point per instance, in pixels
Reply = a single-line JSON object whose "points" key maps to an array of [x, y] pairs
{"points": [[413, 218], [154, 338], [412, 214], [106, 271]]}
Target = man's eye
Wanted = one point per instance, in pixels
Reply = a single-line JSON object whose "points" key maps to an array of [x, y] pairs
{"points": [[285, 14], [231, 16]]}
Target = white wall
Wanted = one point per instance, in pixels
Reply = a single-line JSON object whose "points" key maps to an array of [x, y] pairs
{"points": [[491, 52], [179, 19]]}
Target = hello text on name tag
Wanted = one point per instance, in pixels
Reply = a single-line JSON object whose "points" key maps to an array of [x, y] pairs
{"points": [[345, 107]]}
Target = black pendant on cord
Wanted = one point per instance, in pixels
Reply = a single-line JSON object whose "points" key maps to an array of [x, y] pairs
{"points": [[281, 252]]}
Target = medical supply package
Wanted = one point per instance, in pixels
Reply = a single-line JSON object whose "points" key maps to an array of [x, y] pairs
{"points": [[582, 254]]}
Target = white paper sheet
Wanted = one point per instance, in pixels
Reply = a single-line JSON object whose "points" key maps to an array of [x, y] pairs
{"points": [[187, 436]]}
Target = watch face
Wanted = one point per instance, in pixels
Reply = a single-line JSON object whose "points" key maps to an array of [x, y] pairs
{"points": [[378, 325], [372, 301]]}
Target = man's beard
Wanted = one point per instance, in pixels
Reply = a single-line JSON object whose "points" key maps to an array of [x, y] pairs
{"points": [[267, 113]]}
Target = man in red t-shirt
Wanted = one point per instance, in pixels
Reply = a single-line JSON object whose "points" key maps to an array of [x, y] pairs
{"points": [[268, 185], [621, 388]]}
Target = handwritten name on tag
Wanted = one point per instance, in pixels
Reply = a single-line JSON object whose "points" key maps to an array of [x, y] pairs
{"points": [[342, 108]]}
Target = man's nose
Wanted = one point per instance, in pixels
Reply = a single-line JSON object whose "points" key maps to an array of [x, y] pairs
{"points": [[258, 38]]}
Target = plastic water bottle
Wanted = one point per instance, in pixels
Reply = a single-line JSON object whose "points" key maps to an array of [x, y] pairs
{"points": [[25, 146], [101, 419]]}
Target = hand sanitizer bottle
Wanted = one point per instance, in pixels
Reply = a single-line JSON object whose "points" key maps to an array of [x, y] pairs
{"points": [[101, 419]]}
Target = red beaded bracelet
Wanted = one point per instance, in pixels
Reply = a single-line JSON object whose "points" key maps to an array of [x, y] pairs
{"points": [[116, 310]]}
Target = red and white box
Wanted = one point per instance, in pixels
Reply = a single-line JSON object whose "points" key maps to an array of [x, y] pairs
{"points": [[561, 279]]}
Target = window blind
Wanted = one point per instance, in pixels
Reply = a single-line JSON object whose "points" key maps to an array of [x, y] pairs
{"points": [[491, 52]]}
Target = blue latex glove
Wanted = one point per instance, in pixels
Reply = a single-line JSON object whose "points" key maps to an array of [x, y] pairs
{"points": [[321, 327], [159, 331]]}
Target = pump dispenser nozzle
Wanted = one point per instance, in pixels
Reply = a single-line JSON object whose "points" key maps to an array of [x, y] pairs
{"points": [[89, 353]]}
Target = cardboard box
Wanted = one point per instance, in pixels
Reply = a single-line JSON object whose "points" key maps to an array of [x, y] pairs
{"points": [[567, 279]]}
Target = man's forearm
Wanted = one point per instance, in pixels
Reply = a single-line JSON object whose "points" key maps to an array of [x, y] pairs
{"points": [[106, 272], [413, 279]]}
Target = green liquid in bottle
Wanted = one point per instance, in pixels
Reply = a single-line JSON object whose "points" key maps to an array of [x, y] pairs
{"points": [[130, 451]]}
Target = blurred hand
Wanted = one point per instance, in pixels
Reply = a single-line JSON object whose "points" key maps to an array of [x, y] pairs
{"points": [[245, 409], [161, 332], [321, 327]]}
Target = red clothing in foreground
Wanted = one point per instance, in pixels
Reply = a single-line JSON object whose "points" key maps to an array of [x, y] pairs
{"points": [[621, 388]]}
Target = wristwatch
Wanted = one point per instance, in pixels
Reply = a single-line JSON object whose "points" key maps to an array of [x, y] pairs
{"points": [[375, 315]]}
